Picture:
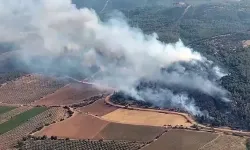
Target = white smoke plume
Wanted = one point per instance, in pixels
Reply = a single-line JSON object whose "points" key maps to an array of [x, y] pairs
{"points": [[124, 54]]}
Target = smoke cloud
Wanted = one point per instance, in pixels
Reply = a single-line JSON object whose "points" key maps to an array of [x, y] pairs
{"points": [[48, 29]]}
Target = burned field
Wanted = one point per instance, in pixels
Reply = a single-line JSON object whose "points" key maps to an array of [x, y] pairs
{"points": [[73, 93]]}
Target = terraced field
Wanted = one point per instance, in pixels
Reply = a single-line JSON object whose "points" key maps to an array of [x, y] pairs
{"points": [[79, 144], [28, 89], [10, 138]]}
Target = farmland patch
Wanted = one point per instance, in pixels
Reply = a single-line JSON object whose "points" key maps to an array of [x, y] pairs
{"points": [[98, 108], [116, 131], [137, 117], [19, 119], [79, 126], [71, 94], [4, 109], [181, 140]]}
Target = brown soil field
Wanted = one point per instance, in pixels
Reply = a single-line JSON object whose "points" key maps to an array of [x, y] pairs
{"points": [[137, 117], [181, 140], [98, 108], [28, 89], [10, 138], [79, 126], [71, 94], [226, 142], [116, 131]]}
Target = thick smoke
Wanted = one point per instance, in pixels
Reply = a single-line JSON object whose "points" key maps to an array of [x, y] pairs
{"points": [[55, 28]]}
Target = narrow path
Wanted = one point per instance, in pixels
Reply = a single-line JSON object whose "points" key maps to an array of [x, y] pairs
{"points": [[209, 142]]}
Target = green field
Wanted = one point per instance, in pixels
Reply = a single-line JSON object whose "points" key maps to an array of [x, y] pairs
{"points": [[4, 109], [20, 119]]}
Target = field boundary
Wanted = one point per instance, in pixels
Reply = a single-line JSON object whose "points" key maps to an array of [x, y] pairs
{"points": [[187, 116]]}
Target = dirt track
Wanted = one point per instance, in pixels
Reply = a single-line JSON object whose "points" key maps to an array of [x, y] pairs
{"points": [[188, 117]]}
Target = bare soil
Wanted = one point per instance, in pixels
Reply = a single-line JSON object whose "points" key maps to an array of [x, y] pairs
{"points": [[181, 140], [98, 108], [116, 131], [136, 117], [226, 142], [71, 94], [79, 126]]}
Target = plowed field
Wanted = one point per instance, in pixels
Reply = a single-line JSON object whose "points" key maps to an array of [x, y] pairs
{"points": [[116, 131], [79, 126], [98, 108], [181, 140]]}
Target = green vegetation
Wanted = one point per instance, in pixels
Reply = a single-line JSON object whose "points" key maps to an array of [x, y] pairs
{"points": [[4, 109], [20, 119]]}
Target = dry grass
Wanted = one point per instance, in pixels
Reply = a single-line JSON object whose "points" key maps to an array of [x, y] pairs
{"points": [[79, 126], [116, 131], [28, 88], [11, 137], [136, 117], [181, 140], [226, 142]]}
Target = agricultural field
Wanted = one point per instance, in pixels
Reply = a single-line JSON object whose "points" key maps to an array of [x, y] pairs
{"points": [[73, 93], [117, 131], [4, 109], [22, 125], [20, 119], [81, 126], [28, 89], [98, 108], [226, 142], [136, 117], [49, 144], [8, 115], [181, 140]]}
